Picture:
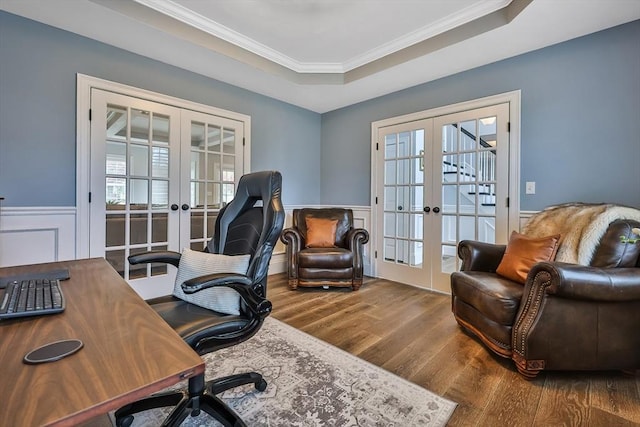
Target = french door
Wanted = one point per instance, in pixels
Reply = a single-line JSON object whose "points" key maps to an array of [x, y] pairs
{"points": [[440, 180], [159, 176]]}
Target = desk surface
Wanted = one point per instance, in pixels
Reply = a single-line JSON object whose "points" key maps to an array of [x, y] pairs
{"points": [[129, 351]]}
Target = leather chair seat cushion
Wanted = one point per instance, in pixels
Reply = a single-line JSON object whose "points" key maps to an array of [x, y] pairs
{"points": [[495, 297], [332, 258], [194, 323], [322, 274]]}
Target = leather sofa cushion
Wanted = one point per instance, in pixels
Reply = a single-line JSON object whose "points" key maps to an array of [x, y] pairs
{"points": [[523, 252], [325, 258], [321, 232], [495, 297]]}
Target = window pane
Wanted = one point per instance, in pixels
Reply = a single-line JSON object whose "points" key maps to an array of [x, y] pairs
{"points": [[116, 193], [139, 125], [159, 194], [160, 162], [138, 229], [213, 167], [197, 225], [213, 138], [159, 227], [198, 170], [229, 141], [197, 135], [139, 197], [139, 160], [115, 230], [160, 129], [116, 122], [116, 162]]}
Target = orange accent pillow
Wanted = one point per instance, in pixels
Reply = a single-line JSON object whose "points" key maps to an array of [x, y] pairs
{"points": [[523, 252], [321, 232]]}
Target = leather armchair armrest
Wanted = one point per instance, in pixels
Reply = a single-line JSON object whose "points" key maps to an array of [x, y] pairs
{"points": [[292, 239], [355, 240], [586, 283], [356, 237], [165, 257], [238, 282], [480, 256]]}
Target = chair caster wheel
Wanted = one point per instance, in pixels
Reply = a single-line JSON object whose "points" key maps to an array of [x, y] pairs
{"points": [[262, 385], [125, 421]]}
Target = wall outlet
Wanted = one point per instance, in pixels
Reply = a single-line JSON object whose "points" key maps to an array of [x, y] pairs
{"points": [[530, 187]]}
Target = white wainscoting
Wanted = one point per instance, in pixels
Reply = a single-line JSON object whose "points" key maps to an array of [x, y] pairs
{"points": [[46, 234], [361, 219], [35, 235]]}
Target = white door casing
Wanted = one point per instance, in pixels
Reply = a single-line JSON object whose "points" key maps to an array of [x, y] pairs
{"points": [[174, 116], [488, 199]]}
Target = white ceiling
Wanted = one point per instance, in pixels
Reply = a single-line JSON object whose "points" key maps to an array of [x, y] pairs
{"points": [[326, 54]]}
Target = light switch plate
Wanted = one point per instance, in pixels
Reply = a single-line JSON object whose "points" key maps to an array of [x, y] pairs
{"points": [[530, 187]]}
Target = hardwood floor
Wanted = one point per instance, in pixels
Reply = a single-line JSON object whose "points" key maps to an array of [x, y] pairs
{"points": [[412, 333]]}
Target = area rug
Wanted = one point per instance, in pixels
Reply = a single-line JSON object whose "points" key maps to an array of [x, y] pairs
{"points": [[312, 383]]}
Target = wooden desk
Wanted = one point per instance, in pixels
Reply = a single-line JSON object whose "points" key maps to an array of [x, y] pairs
{"points": [[129, 351]]}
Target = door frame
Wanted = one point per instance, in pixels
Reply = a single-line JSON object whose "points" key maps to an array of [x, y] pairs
{"points": [[84, 84], [512, 98]]}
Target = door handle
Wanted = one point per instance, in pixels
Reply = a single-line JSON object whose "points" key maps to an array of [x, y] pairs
{"points": [[436, 209], [174, 207], [185, 207], [427, 209], [399, 208]]}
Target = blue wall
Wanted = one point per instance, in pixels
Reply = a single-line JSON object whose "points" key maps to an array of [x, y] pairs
{"points": [[580, 138], [38, 70], [580, 118]]}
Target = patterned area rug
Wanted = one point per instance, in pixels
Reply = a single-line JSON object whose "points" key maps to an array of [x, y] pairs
{"points": [[312, 383]]}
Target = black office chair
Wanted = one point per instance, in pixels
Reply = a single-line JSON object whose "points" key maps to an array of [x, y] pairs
{"points": [[241, 228]]}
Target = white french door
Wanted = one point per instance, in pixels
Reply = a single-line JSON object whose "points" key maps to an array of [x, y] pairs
{"points": [[159, 176], [439, 180]]}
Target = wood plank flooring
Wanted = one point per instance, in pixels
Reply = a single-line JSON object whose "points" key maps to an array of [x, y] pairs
{"points": [[412, 333]]}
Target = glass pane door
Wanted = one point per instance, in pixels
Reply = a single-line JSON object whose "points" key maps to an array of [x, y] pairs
{"points": [[135, 171], [472, 155], [403, 187], [215, 165]]}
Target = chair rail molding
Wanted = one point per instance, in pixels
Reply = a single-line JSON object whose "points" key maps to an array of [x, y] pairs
{"points": [[33, 235]]}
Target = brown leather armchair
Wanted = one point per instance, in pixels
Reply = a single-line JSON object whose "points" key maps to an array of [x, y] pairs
{"points": [[338, 263], [565, 317]]}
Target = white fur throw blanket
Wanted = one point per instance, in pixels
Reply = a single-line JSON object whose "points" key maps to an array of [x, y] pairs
{"points": [[580, 225]]}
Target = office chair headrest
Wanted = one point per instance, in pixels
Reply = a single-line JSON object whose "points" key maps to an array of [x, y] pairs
{"points": [[265, 186]]}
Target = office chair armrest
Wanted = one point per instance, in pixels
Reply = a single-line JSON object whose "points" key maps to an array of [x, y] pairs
{"points": [[216, 279], [165, 257], [238, 282]]}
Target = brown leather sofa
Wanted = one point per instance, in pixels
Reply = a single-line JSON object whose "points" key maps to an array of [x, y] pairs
{"points": [[565, 317], [339, 263]]}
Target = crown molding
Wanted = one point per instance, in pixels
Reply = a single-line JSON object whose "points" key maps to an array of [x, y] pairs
{"points": [[195, 20]]}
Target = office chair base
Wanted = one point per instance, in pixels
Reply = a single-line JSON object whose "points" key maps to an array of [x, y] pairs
{"points": [[198, 397]]}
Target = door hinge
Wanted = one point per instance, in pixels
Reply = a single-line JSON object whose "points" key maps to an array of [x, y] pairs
{"points": [[375, 254], [507, 202], [508, 126], [89, 196], [89, 114], [377, 146], [376, 200], [243, 141]]}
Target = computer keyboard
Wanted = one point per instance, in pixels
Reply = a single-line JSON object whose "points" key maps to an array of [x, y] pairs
{"points": [[33, 297]]}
